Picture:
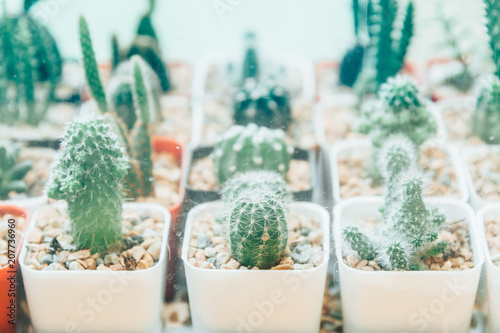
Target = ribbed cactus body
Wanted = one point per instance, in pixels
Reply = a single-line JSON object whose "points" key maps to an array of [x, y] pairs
{"points": [[486, 117], [88, 176], [248, 148], [254, 179], [258, 231], [12, 172], [360, 243]]}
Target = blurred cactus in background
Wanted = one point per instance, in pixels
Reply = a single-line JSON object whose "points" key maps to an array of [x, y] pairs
{"points": [[12, 172], [486, 116], [493, 27], [251, 62]]}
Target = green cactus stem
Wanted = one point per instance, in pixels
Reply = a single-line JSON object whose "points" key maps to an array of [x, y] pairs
{"points": [[493, 27], [486, 116], [398, 257], [258, 231], [251, 62], [12, 172], [248, 148], [358, 242], [89, 176]]}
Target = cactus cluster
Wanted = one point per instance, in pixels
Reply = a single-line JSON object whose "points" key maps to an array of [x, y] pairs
{"points": [[88, 176], [410, 230], [399, 109], [257, 226], [136, 140], [30, 69], [12, 172], [262, 105], [246, 148], [486, 116]]}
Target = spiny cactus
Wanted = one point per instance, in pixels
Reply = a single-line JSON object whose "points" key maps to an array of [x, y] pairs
{"points": [[251, 62], [400, 109], [12, 172], [397, 155], [262, 105], [493, 26], [250, 148], [258, 231], [88, 176], [486, 117], [254, 179], [410, 230], [145, 27]]}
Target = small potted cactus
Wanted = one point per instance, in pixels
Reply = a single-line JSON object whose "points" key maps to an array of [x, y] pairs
{"points": [[245, 148], [13, 222], [400, 110], [114, 252], [489, 222], [23, 174], [254, 261], [421, 256]]}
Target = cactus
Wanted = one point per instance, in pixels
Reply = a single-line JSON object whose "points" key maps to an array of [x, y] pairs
{"points": [[115, 52], [351, 65], [264, 106], [88, 176], [258, 232], [250, 148], [410, 230], [251, 62], [145, 27], [254, 179], [486, 117], [12, 172], [400, 109], [493, 27]]}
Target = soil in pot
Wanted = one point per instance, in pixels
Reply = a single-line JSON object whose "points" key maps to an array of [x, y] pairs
{"points": [[38, 175], [485, 173], [202, 177], [209, 247], [338, 122], [493, 238], [457, 118], [50, 244], [355, 178], [456, 257]]}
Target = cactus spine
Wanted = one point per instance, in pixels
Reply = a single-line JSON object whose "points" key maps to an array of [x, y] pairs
{"points": [[89, 176], [258, 231], [12, 172], [249, 148], [486, 117]]}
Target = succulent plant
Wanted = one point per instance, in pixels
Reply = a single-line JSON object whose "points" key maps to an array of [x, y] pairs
{"points": [[254, 179], [493, 27], [351, 65], [248, 148], [12, 172], [89, 177], [410, 231], [251, 62], [258, 232], [486, 117], [399, 109], [145, 27], [262, 105], [31, 69]]}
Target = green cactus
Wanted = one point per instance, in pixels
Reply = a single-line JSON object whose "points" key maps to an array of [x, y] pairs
{"points": [[360, 243], [12, 172], [398, 257], [251, 62], [115, 52], [397, 155], [145, 27], [400, 109], [258, 231], [89, 176], [254, 179], [248, 148], [262, 105], [486, 117], [141, 133], [493, 27]]}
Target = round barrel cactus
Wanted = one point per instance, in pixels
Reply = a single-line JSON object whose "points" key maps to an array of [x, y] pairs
{"points": [[245, 148], [254, 179]]}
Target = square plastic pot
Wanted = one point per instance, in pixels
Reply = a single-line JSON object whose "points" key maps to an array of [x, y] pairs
{"points": [[195, 197], [395, 302], [7, 284], [492, 272], [256, 300], [98, 301], [451, 151], [470, 151]]}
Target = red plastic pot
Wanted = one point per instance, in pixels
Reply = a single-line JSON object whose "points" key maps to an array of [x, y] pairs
{"points": [[6, 272], [170, 146]]}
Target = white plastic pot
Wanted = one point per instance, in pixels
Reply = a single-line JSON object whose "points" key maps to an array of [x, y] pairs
{"points": [[256, 300], [396, 302], [338, 149], [98, 301], [492, 272], [470, 151]]}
